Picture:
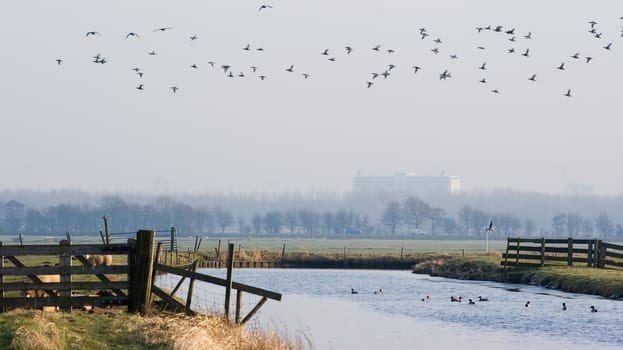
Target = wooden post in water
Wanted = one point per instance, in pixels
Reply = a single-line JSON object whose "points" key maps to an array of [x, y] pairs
{"points": [[191, 286], [283, 250], [570, 251], [402, 249], [542, 251], [230, 268], [238, 305], [140, 283]]}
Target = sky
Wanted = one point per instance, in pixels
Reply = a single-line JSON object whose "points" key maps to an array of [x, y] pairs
{"points": [[84, 125]]}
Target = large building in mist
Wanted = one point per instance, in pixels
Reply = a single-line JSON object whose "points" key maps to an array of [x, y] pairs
{"points": [[407, 183]]}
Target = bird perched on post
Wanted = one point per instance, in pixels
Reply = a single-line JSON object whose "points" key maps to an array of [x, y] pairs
{"points": [[490, 228]]}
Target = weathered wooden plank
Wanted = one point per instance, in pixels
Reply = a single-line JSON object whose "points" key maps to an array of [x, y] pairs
{"points": [[218, 281], [612, 254], [141, 279], [520, 264], [76, 301], [64, 286], [524, 240], [254, 310], [612, 246], [170, 300], [56, 270], [113, 249], [613, 263]]}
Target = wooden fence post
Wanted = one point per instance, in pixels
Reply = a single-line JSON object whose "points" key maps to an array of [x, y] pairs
{"points": [[283, 250], [589, 255], [230, 268], [542, 251], [2, 308], [141, 282], [191, 286], [238, 305], [570, 251], [65, 277], [508, 243]]}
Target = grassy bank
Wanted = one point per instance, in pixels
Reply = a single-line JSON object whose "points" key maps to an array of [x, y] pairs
{"points": [[116, 329], [604, 282]]}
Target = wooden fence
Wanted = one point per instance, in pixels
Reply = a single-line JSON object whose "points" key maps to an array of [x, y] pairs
{"points": [[527, 252], [192, 275]]}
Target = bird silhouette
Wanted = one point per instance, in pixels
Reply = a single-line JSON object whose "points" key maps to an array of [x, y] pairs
{"points": [[136, 69], [92, 33], [140, 87], [162, 30], [483, 66], [140, 74], [444, 75], [369, 84], [390, 51], [568, 93], [375, 75], [561, 67], [483, 80], [225, 67], [305, 75], [193, 66], [576, 55], [438, 41], [533, 77], [59, 61], [332, 59], [247, 48], [495, 91], [607, 47], [526, 54], [453, 57], [490, 227], [325, 52], [132, 34], [391, 66], [264, 7], [377, 48], [348, 50], [511, 50], [528, 36], [291, 68], [253, 68], [435, 51], [416, 69], [588, 59], [174, 89], [194, 37], [262, 77], [152, 53]]}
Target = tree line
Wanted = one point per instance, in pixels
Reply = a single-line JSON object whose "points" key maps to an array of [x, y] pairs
{"points": [[409, 217]]}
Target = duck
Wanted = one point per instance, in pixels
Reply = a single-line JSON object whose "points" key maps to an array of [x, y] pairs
{"points": [[426, 299], [353, 291], [456, 300], [593, 308], [564, 307], [482, 299], [471, 302], [527, 303]]}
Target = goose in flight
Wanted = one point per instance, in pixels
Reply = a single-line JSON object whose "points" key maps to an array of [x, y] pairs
{"points": [[136, 69], [528, 36], [416, 68], [592, 23], [59, 61], [162, 30], [332, 59], [576, 55], [607, 47], [262, 77], [305, 75], [140, 87], [325, 52], [253, 68], [247, 48], [375, 75], [152, 53], [391, 50], [225, 67], [193, 66], [435, 51], [391, 66], [291, 68], [483, 66], [445, 75], [369, 84], [561, 67], [495, 91], [453, 57], [568, 94], [132, 34], [588, 59], [483, 80], [377, 48], [526, 54], [533, 77], [348, 50], [92, 33], [511, 50], [194, 37], [174, 89], [264, 7], [438, 41], [385, 74]]}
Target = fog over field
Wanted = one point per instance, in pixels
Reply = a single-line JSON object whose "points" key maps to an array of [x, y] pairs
{"points": [[75, 115]]}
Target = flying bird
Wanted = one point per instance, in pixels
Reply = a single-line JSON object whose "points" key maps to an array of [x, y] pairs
{"points": [[528, 36], [92, 33], [140, 87], [391, 66], [262, 77], [568, 94], [59, 61], [152, 53], [348, 50], [325, 52], [377, 48], [483, 66], [332, 59], [576, 55], [247, 48], [162, 30], [417, 68], [483, 80], [174, 89], [225, 67], [561, 67], [369, 84], [588, 59], [305, 75], [253, 68], [495, 91], [264, 7], [193, 66], [511, 50], [132, 34], [435, 51], [445, 75], [607, 47], [533, 77], [194, 37], [438, 41], [526, 54], [291, 68], [454, 57]]}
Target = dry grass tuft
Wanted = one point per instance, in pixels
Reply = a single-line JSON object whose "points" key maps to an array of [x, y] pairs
{"points": [[38, 333], [205, 332]]}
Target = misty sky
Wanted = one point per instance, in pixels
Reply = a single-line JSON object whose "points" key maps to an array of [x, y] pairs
{"points": [[83, 125]]}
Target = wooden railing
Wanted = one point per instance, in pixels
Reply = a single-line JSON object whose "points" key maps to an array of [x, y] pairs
{"points": [[190, 273], [65, 292], [528, 252]]}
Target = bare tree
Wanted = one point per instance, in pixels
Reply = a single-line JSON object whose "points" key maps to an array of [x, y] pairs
{"points": [[465, 217], [273, 221], [327, 221], [241, 224], [256, 222], [604, 225], [392, 216], [574, 223], [559, 224], [529, 227], [342, 220], [291, 219], [436, 216], [309, 219], [223, 218], [415, 211]]}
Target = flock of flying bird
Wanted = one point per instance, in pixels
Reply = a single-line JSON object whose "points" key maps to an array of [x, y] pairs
{"points": [[423, 34]]}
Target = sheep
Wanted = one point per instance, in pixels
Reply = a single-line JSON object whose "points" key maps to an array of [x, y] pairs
{"points": [[97, 260], [40, 293]]}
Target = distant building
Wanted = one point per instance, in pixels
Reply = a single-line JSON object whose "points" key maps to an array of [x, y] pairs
{"points": [[406, 183]]}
